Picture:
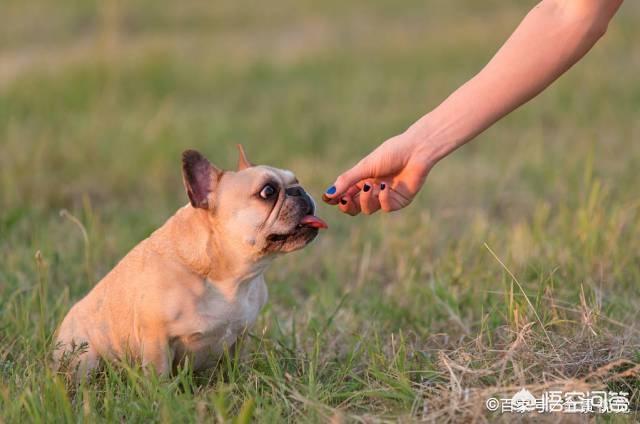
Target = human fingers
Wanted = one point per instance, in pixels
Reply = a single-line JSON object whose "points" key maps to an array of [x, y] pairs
{"points": [[369, 198], [350, 204], [390, 199], [347, 180]]}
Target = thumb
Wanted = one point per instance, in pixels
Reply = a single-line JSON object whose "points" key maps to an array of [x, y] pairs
{"points": [[359, 172]]}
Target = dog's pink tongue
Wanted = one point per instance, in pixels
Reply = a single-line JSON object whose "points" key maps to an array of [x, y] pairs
{"points": [[313, 222]]}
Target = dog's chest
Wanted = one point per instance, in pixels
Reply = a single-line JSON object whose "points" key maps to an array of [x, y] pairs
{"points": [[212, 321]]}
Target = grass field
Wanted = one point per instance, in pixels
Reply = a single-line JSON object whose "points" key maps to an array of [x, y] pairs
{"points": [[518, 264]]}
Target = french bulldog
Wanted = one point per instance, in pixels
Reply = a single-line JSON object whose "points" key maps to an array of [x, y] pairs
{"points": [[197, 283]]}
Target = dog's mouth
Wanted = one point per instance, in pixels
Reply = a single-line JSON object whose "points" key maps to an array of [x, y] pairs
{"points": [[313, 222], [303, 233]]}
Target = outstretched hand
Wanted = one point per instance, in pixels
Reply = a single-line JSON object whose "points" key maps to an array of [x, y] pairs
{"points": [[388, 178]]}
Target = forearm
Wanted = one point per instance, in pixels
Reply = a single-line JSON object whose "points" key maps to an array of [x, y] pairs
{"points": [[551, 38]]}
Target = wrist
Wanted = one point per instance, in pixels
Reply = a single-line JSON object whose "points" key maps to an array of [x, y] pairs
{"points": [[429, 141]]}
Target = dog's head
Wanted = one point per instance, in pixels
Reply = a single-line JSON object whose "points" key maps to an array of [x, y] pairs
{"points": [[260, 209]]}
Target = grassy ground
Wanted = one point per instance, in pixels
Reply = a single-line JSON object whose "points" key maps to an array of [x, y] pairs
{"points": [[519, 263]]}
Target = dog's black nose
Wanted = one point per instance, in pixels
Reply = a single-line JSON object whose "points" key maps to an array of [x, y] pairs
{"points": [[298, 191], [295, 191], [311, 206]]}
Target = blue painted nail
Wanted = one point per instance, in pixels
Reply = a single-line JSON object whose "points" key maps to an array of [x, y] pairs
{"points": [[331, 190], [366, 187], [382, 186]]}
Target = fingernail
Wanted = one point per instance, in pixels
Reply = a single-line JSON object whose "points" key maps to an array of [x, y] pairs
{"points": [[331, 190], [382, 186], [343, 201], [366, 187]]}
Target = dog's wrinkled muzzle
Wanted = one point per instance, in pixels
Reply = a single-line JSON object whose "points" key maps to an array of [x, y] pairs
{"points": [[309, 219]]}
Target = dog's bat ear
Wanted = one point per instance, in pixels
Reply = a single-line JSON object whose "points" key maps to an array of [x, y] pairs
{"points": [[243, 162], [199, 178]]}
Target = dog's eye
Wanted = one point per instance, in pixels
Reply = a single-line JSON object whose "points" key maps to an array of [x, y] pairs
{"points": [[267, 191]]}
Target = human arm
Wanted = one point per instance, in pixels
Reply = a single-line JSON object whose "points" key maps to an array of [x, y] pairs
{"points": [[553, 36]]}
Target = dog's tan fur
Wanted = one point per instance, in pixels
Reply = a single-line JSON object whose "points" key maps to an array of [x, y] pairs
{"points": [[196, 283]]}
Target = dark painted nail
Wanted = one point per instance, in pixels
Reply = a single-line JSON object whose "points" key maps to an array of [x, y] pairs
{"points": [[331, 190], [366, 187], [382, 186], [343, 201]]}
